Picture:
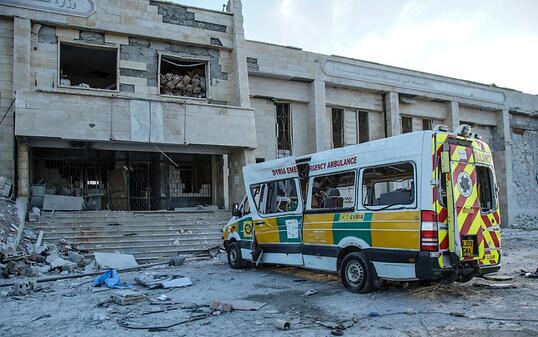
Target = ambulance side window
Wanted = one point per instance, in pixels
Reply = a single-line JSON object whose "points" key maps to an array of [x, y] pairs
{"points": [[245, 208], [386, 185], [486, 188], [335, 191], [276, 196]]}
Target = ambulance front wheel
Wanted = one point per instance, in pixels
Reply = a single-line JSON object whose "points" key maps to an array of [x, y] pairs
{"points": [[356, 273], [235, 260]]}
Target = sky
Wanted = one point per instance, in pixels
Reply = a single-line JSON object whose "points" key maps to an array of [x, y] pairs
{"points": [[486, 41]]}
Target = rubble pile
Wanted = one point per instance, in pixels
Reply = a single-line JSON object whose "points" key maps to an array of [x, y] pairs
{"points": [[31, 257], [192, 84], [525, 221]]}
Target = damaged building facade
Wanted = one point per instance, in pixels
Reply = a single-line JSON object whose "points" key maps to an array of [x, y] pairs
{"points": [[151, 105]]}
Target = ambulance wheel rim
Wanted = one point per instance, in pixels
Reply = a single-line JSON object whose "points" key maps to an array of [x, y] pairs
{"points": [[354, 272], [233, 256]]}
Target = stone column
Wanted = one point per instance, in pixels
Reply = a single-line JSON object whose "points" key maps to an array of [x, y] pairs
{"points": [[453, 118], [502, 157], [21, 53], [23, 165], [392, 114], [225, 179], [319, 126], [239, 74], [237, 160]]}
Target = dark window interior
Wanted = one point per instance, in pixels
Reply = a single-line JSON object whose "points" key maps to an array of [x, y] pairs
{"points": [[427, 124], [389, 185], [338, 127], [486, 188], [333, 191], [407, 124], [88, 67], [363, 127], [183, 78]]}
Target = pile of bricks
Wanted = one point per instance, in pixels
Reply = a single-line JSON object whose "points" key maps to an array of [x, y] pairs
{"points": [[192, 84]]}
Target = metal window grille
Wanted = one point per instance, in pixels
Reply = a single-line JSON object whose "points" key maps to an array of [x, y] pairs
{"points": [[284, 136]]}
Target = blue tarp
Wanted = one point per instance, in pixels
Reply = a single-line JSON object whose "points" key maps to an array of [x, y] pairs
{"points": [[111, 279]]}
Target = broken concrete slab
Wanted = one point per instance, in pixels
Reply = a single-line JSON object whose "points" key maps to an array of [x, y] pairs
{"points": [[55, 261], [177, 283], [62, 203], [115, 260], [237, 304], [75, 257], [127, 297]]}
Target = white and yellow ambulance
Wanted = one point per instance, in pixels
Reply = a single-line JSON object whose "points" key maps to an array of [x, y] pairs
{"points": [[418, 206]]}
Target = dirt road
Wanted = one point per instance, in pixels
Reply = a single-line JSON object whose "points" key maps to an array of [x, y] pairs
{"points": [[69, 308]]}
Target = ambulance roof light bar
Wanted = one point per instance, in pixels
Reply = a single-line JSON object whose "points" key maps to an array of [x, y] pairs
{"points": [[463, 130], [440, 127]]}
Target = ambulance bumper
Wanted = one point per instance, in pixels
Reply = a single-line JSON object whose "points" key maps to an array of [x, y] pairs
{"points": [[427, 267]]}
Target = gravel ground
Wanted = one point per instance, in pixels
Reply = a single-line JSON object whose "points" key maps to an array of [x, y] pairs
{"points": [[70, 307]]}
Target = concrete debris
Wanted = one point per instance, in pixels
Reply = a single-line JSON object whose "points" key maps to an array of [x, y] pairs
{"points": [[236, 304], [24, 287], [191, 84], [529, 274], [310, 292], [163, 281], [495, 285], [115, 260], [497, 277], [176, 261], [127, 297], [163, 298], [5, 187], [62, 203]]}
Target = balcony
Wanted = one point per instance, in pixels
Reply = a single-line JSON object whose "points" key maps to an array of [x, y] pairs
{"points": [[113, 117]]}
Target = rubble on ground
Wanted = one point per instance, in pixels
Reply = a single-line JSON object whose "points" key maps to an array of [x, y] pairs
{"points": [[32, 257], [524, 221]]}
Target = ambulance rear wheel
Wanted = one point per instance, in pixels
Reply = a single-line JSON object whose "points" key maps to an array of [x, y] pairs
{"points": [[356, 273], [235, 260]]}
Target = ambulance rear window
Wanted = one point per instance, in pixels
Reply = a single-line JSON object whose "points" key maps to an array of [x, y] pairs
{"points": [[486, 188]]}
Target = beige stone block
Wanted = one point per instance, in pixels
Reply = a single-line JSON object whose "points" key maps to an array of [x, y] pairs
{"points": [[67, 33], [116, 39], [133, 80], [133, 65]]}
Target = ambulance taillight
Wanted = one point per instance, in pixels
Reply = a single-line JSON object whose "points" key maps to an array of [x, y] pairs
{"points": [[428, 231]]}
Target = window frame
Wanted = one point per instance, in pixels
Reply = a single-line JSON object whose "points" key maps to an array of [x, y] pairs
{"points": [[290, 127], [342, 135], [298, 210], [180, 57], [365, 113], [308, 208], [413, 205], [402, 117], [87, 46]]}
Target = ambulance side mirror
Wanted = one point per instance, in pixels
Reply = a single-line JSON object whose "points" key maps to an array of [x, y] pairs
{"points": [[235, 210]]}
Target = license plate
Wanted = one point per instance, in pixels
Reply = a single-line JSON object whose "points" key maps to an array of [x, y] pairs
{"points": [[468, 247]]}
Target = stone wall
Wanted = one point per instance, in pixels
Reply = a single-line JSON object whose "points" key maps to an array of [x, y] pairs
{"points": [[6, 98], [525, 164]]}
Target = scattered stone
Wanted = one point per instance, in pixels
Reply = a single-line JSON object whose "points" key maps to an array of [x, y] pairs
{"points": [[75, 257], [244, 305], [282, 324], [176, 261], [115, 260], [69, 267], [127, 297], [310, 292]]}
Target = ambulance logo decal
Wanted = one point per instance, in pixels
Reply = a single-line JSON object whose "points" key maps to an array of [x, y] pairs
{"points": [[465, 184]]}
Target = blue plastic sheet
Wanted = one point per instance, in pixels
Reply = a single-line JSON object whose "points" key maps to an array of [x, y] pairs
{"points": [[111, 279]]}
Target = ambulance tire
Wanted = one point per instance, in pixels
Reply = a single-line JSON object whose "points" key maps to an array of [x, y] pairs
{"points": [[235, 259], [356, 273]]}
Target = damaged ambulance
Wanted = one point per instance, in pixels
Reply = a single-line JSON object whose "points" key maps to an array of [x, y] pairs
{"points": [[418, 206]]}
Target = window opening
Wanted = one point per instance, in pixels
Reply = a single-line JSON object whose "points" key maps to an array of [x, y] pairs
{"points": [[338, 127], [276, 196], [283, 118], [427, 124], [180, 77], [364, 132], [389, 185], [88, 67], [407, 124], [334, 191], [486, 188]]}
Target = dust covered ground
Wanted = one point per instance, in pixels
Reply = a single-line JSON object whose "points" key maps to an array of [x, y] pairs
{"points": [[71, 307]]}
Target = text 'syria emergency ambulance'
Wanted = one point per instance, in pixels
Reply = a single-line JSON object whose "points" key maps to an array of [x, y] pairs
{"points": [[419, 206]]}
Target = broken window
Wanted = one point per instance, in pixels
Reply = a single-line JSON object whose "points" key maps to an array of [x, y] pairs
{"points": [[338, 127], [407, 124], [276, 196], [364, 133], [486, 188], [388, 185], [283, 120], [333, 191], [427, 124], [85, 66], [181, 77]]}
